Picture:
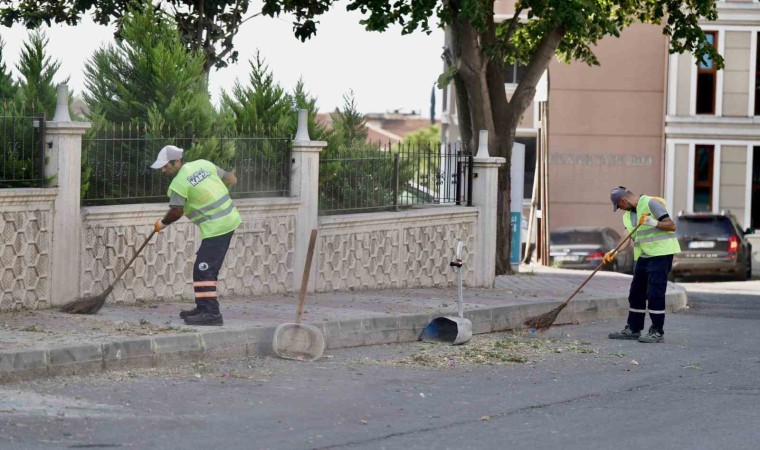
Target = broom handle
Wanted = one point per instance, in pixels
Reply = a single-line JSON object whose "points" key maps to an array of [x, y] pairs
{"points": [[134, 257], [305, 277], [601, 264]]}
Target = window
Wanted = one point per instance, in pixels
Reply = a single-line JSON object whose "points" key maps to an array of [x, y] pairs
{"points": [[703, 177], [530, 164], [513, 73], [707, 75], [755, 218]]}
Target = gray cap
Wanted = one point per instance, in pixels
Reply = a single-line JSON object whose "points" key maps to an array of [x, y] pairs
{"points": [[168, 153], [616, 194]]}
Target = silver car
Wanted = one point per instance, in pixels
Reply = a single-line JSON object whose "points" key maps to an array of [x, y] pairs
{"points": [[584, 248]]}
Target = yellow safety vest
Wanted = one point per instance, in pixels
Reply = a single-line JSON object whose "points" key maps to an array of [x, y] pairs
{"points": [[208, 202], [650, 241]]}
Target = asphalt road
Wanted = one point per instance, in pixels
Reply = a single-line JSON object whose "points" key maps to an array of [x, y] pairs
{"points": [[571, 388]]}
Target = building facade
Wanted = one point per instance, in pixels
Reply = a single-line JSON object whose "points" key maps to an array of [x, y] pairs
{"points": [[656, 123], [712, 125]]}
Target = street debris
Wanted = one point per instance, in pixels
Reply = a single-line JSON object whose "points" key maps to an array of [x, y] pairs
{"points": [[511, 348]]}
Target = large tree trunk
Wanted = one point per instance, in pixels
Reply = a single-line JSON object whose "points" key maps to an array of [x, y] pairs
{"points": [[489, 108]]}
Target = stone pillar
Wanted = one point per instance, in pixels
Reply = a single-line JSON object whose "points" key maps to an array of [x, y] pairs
{"points": [[485, 195], [304, 184], [63, 154]]}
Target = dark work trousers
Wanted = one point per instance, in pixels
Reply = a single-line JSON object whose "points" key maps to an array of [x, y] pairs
{"points": [[650, 280], [208, 262]]}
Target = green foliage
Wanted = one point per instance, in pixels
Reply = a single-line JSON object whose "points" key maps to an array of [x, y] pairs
{"points": [[148, 77], [36, 90], [357, 175], [8, 88], [262, 104], [428, 135], [207, 27]]}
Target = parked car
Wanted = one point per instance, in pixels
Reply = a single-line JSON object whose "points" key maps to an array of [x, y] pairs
{"points": [[712, 244], [584, 248]]}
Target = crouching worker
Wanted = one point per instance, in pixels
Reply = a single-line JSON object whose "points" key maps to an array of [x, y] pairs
{"points": [[198, 190]]}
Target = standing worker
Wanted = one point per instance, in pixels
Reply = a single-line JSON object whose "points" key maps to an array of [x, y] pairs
{"points": [[654, 245], [199, 190]]}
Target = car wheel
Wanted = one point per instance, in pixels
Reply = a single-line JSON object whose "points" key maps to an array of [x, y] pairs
{"points": [[614, 267]]}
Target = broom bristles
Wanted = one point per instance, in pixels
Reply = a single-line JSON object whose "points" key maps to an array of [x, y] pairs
{"points": [[87, 305], [546, 320]]}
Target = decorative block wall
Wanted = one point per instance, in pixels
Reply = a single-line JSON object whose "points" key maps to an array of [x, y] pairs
{"points": [[394, 250], [26, 219]]}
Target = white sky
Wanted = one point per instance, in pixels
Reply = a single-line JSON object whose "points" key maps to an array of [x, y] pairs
{"points": [[386, 71]]}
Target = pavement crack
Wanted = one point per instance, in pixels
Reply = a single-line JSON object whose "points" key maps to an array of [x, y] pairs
{"points": [[459, 423]]}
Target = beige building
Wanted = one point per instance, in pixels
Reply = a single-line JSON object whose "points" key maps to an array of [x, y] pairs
{"points": [[656, 123]]}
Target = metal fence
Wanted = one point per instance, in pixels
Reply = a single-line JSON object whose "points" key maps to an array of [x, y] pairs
{"points": [[116, 165], [22, 151], [393, 177]]}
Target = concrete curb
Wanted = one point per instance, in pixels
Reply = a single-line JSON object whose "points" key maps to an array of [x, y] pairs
{"points": [[215, 344]]}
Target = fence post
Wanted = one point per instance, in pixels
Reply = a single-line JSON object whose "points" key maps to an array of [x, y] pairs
{"points": [[304, 184], [485, 195], [63, 155]]}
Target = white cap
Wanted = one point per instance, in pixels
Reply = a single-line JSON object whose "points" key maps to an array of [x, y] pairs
{"points": [[168, 153]]}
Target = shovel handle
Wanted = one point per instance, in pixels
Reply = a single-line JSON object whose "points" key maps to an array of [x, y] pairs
{"points": [[306, 272]]}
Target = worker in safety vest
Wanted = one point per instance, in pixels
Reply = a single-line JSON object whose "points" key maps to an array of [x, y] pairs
{"points": [[655, 243], [199, 191]]}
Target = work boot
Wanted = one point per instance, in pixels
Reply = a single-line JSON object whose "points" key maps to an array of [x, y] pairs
{"points": [[188, 313], [204, 318], [627, 333], [653, 336]]}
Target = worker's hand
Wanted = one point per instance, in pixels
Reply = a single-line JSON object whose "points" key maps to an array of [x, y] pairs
{"points": [[647, 220], [158, 226], [609, 256]]}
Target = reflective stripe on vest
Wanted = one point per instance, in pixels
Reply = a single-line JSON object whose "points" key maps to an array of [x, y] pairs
{"points": [[208, 203]]}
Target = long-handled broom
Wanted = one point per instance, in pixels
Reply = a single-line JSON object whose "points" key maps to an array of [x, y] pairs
{"points": [[544, 321], [92, 304]]}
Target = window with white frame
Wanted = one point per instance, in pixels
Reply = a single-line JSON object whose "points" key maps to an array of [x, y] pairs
{"points": [[704, 156], [707, 76], [513, 73]]}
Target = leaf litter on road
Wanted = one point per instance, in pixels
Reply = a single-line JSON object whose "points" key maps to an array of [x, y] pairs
{"points": [[505, 348]]}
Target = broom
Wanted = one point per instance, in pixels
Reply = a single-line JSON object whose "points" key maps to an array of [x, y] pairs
{"points": [[92, 304], [544, 321]]}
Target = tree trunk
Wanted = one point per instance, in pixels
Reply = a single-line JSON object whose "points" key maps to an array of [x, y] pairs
{"points": [[489, 108]]}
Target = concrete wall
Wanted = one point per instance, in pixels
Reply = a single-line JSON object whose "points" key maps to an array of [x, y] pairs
{"points": [[736, 74], [26, 241]]}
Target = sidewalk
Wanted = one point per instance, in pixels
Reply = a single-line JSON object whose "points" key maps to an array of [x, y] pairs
{"points": [[47, 343]]}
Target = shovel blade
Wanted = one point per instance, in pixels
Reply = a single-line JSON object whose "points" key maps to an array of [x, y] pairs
{"points": [[448, 330], [298, 341]]}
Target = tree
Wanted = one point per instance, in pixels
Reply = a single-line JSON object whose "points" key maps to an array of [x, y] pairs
{"points": [[8, 88], [37, 91], [207, 26], [480, 47], [149, 77]]}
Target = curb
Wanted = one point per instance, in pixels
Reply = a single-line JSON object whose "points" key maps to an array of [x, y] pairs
{"points": [[176, 349]]}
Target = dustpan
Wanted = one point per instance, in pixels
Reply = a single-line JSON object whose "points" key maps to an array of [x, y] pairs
{"points": [[452, 330], [300, 341]]}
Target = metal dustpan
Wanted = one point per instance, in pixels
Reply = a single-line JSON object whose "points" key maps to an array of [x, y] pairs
{"points": [[300, 341], [449, 329]]}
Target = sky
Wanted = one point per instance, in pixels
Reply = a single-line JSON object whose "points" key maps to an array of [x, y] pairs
{"points": [[386, 71]]}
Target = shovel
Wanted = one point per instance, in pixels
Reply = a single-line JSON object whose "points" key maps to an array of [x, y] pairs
{"points": [[300, 341], [451, 330]]}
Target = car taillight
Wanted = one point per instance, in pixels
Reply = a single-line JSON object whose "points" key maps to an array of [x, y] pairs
{"points": [[733, 244], [595, 255]]}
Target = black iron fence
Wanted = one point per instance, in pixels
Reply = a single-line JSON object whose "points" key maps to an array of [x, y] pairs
{"points": [[393, 177], [116, 165], [22, 151]]}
